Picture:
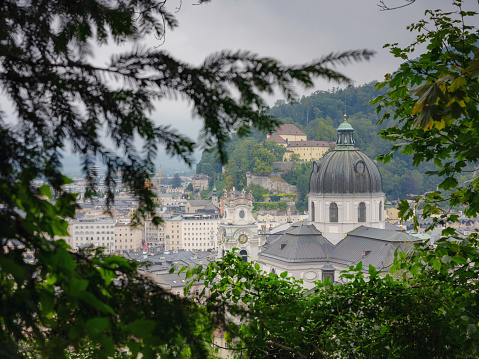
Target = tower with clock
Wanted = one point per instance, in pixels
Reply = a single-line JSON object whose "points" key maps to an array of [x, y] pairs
{"points": [[238, 228]]}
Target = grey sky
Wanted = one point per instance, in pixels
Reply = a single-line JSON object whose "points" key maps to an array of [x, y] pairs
{"points": [[291, 31]]}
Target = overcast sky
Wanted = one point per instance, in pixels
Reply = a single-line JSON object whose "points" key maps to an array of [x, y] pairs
{"points": [[293, 32]]}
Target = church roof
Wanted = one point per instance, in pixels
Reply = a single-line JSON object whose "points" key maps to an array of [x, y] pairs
{"points": [[380, 234], [305, 244], [299, 244], [346, 170]]}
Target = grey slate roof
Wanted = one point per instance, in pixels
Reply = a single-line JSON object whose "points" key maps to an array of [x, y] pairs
{"points": [[299, 244], [352, 250], [303, 243], [380, 234], [199, 202], [392, 227]]}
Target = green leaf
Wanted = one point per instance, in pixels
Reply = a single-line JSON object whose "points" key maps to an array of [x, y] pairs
{"points": [[459, 260], [141, 328], [284, 275], [446, 259], [96, 326], [45, 191], [471, 328], [436, 263]]}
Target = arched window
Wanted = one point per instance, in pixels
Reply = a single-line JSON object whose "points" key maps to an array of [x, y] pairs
{"points": [[380, 211], [362, 212], [313, 214], [333, 212], [244, 255]]}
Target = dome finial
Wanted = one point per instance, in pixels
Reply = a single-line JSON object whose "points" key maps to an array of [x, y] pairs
{"points": [[345, 116]]}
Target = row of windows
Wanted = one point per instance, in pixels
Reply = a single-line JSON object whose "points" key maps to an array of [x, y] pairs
{"points": [[333, 212], [86, 227]]}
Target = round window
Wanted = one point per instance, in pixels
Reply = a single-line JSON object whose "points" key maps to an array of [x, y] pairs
{"points": [[241, 214], [360, 167]]}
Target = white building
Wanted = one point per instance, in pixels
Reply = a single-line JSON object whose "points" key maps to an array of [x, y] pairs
{"points": [[98, 232], [199, 232]]}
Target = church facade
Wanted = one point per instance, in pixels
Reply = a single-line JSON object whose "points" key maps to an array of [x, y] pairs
{"points": [[238, 228]]}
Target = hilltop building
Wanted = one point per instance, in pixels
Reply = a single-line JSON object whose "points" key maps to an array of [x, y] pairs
{"points": [[296, 142]]}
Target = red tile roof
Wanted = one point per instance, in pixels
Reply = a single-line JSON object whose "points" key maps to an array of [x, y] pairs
{"points": [[276, 139], [288, 129]]}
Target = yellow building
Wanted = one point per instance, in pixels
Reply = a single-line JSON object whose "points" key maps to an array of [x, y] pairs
{"points": [[128, 237], [295, 141], [173, 233], [308, 150]]}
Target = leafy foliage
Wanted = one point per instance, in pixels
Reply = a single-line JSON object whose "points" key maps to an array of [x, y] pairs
{"points": [[435, 99], [414, 315], [299, 176]]}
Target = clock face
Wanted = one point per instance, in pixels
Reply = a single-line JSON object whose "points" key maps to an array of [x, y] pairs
{"points": [[242, 237]]}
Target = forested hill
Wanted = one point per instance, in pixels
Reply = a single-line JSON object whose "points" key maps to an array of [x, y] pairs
{"points": [[319, 115], [328, 104]]}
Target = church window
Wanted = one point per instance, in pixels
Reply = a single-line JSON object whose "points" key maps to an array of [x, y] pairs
{"points": [[244, 255], [380, 211], [333, 212], [362, 212], [312, 212]]}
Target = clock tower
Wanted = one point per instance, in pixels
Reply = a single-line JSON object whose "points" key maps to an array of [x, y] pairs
{"points": [[238, 228]]}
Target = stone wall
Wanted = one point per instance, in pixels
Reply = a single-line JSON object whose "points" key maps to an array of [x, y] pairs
{"points": [[270, 183], [283, 166]]}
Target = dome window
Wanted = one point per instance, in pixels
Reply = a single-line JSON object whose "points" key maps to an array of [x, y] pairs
{"points": [[360, 166], [362, 212], [333, 212]]}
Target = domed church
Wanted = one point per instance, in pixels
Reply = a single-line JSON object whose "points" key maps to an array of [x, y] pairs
{"points": [[345, 190], [346, 220]]}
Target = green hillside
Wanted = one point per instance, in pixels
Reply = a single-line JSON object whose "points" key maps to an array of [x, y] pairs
{"points": [[318, 115]]}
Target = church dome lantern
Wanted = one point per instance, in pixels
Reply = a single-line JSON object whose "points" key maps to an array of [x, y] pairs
{"points": [[345, 170]]}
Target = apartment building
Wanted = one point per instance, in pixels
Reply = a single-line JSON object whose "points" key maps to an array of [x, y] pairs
{"points": [[172, 230], [128, 237], [98, 232], [199, 232]]}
